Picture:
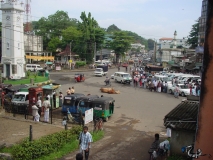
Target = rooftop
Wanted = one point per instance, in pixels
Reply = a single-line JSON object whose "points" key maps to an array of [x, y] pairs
{"points": [[165, 38], [183, 117]]}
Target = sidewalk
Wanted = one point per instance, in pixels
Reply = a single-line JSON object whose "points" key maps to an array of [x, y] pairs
{"points": [[15, 129]]}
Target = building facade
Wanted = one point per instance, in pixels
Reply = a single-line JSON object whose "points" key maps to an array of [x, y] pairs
{"points": [[13, 55], [202, 22]]}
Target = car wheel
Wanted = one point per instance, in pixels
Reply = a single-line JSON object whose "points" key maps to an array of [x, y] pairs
{"points": [[183, 94], [170, 91]]}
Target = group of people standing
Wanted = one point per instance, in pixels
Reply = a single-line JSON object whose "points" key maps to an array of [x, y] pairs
{"points": [[149, 82], [70, 91], [37, 109]]}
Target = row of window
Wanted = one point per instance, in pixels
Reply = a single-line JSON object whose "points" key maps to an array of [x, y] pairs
{"points": [[8, 45]]}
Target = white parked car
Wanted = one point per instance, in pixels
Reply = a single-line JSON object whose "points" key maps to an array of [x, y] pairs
{"points": [[122, 77], [184, 90], [112, 76]]}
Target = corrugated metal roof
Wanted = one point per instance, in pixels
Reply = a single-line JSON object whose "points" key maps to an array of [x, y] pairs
{"points": [[186, 113]]}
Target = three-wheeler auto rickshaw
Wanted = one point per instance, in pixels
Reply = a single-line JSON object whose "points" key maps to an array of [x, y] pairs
{"points": [[103, 107], [79, 77], [69, 102], [85, 103]]}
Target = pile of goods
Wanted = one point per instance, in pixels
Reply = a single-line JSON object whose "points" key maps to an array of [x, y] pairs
{"points": [[109, 90]]}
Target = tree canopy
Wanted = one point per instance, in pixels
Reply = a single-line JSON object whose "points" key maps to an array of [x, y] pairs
{"points": [[193, 35], [120, 43]]}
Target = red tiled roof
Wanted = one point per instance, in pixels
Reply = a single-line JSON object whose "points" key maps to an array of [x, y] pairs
{"points": [[164, 38]]}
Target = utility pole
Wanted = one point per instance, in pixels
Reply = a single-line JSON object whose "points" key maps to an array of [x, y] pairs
{"points": [[155, 50], [70, 54], [101, 54], [95, 53]]}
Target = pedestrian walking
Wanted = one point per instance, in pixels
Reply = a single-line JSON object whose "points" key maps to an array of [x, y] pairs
{"points": [[60, 99], [85, 140], [46, 105], [39, 105], [35, 114]]}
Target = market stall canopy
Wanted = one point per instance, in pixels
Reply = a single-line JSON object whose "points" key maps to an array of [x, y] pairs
{"points": [[51, 87], [49, 62]]}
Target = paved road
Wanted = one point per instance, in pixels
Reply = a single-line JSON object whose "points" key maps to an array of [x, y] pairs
{"points": [[137, 111]]}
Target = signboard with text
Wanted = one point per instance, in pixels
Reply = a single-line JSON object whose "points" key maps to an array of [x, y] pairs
{"points": [[88, 116]]}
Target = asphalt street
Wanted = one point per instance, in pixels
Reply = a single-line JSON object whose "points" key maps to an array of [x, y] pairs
{"points": [[138, 115], [148, 108]]}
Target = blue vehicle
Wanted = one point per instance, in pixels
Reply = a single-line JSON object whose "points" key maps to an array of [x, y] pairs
{"points": [[69, 102], [85, 103]]}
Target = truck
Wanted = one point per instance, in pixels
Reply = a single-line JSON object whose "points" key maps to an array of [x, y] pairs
{"points": [[101, 70]]}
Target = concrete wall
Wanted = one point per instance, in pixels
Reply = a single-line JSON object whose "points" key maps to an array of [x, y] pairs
{"points": [[180, 139]]}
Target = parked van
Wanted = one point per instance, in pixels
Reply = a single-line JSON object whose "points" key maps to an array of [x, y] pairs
{"points": [[184, 78], [21, 98], [164, 79], [122, 77], [33, 67]]}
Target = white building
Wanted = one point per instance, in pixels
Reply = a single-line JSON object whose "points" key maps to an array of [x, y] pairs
{"points": [[138, 46], [13, 55]]}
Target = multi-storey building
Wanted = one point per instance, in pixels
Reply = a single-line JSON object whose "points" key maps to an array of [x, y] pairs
{"points": [[202, 22]]}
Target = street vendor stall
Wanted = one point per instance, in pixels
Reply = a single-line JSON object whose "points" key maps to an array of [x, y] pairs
{"points": [[52, 91]]}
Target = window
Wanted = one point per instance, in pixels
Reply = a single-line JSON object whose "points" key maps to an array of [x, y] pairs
{"points": [[18, 45], [8, 45]]}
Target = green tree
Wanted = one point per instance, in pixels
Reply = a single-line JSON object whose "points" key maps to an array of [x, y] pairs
{"points": [[137, 38], [53, 26], [113, 28], [53, 44], [193, 35], [120, 43], [151, 44], [91, 33]]}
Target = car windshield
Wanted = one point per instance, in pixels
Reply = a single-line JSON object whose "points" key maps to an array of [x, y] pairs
{"points": [[98, 69], [184, 87], [19, 97], [69, 101], [126, 75], [164, 79]]}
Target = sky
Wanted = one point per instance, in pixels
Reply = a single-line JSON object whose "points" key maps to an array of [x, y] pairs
{"points": [[148, 18]]}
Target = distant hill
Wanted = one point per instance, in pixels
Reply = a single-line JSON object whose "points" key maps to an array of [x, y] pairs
{"points": [[137, 39]]}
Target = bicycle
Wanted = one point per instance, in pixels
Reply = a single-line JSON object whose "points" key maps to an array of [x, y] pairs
{"points": [[98, 124]]}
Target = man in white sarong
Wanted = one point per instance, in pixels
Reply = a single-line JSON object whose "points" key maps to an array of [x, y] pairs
{"points": [[46, 105]]}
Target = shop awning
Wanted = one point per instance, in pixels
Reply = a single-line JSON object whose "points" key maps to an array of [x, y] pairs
{"points": [[40, 57]]}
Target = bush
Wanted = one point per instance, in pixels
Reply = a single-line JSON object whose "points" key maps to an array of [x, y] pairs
{"points": [[80, 63], [27, 150]]}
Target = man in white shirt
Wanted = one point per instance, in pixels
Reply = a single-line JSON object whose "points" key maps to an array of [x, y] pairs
{"points": [[46, 105], [35, 114], [39, 105], [85, 141]]}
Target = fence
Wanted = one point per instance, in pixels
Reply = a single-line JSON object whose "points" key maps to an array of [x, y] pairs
{"points": [[22, 112]]}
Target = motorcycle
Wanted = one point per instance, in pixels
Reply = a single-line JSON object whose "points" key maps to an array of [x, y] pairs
{"points": [[107, 82]]}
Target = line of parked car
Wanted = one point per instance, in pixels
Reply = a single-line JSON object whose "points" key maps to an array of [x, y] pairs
{"points": [[173, 80]]}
